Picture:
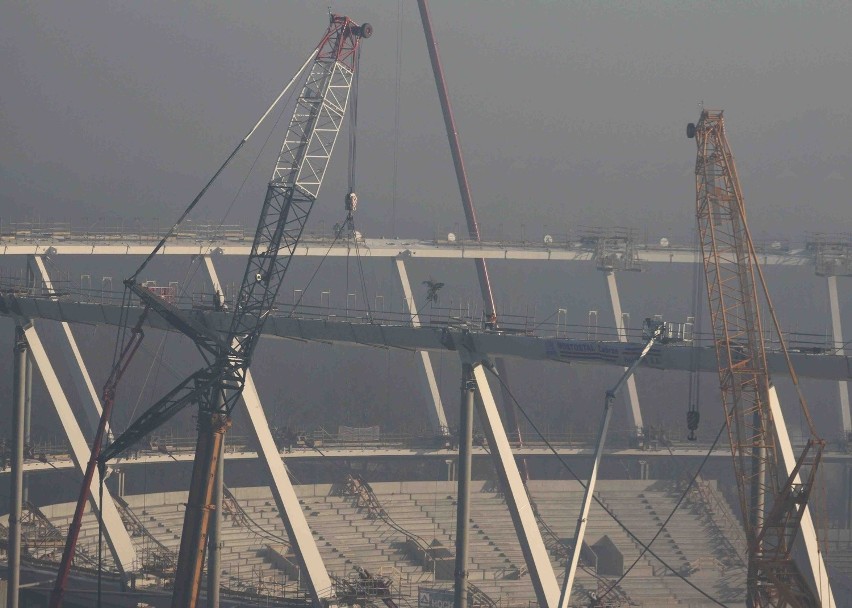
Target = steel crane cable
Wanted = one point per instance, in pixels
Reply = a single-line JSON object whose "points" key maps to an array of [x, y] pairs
{"points": [[693, 414], [350, 218], [206, 187], [674, 509], [646, 547], [284, 107], [160, 351], [337, 234], [360, 272]]}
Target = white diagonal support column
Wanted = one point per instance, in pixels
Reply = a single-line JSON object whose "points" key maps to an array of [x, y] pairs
{"points": [[304, 545], [632, 393], [218, 292], [77, 367], [816, 558], [837, 336], [526, 527], [437, 418], [118, 540]]}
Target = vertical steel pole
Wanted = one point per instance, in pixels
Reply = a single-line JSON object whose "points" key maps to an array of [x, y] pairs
{"points": [[17, 476], [214, 540], [463, 505], [848, 479], [28, 411]]}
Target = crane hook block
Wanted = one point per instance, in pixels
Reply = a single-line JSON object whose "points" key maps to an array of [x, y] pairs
{"points": [[692, 419], [351, 202]]}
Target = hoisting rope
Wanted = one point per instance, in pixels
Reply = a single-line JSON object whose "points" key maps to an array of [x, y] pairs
{"points": [[352, 197], [645, 546], [693, 414], [206, 187]]}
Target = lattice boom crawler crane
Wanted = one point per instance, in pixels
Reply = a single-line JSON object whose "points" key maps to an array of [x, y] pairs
{"points": [[773, 485], [217, 387]]}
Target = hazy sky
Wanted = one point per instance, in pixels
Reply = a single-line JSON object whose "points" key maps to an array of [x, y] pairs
{"points": [[570, 113]]}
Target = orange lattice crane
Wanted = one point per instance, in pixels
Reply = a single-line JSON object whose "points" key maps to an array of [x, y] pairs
{"points": [[773, 485]]}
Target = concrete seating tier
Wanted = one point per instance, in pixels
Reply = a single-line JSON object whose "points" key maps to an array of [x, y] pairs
{"points": [[255, 554]]}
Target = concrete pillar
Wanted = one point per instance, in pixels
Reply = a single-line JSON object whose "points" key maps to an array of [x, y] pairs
{"points": [[463, 498], [17, 473]]}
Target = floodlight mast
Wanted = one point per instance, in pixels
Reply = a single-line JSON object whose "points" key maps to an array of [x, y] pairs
{"points": [[217, 387]]}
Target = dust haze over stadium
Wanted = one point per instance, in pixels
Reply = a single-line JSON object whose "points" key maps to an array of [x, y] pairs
{"points": [[571, 120]]}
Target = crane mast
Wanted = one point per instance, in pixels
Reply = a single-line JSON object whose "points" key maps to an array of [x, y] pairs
{"points": [[772, 503], [216, 388]]}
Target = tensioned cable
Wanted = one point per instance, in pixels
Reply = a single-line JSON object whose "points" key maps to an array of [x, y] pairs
{"points": [[284, 107], [694, 394], [674, 510], [597, 500], [317, 269], [360, 273], [206, 187], [159, 352]]}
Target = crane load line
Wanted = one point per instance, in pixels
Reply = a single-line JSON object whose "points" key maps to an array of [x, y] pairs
{"points": [[221, 168], [560, 350]]}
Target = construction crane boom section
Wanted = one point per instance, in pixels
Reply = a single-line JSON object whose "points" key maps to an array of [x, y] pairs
{"points": [[216, 388], [772, 502], [295, 184]]}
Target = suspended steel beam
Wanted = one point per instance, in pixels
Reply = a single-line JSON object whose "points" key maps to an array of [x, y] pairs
{"points": [[123, 245], [602, 352]]}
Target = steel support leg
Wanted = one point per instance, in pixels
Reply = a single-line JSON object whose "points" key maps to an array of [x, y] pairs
{"points": [[523, 518], [632, 394], [583, 519], [437, 418], [118, 540], [17, 476], [304, 545], [463, 498], [28, 411], [214, 539], [837, 335], [816, 557], [298, 531]]}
